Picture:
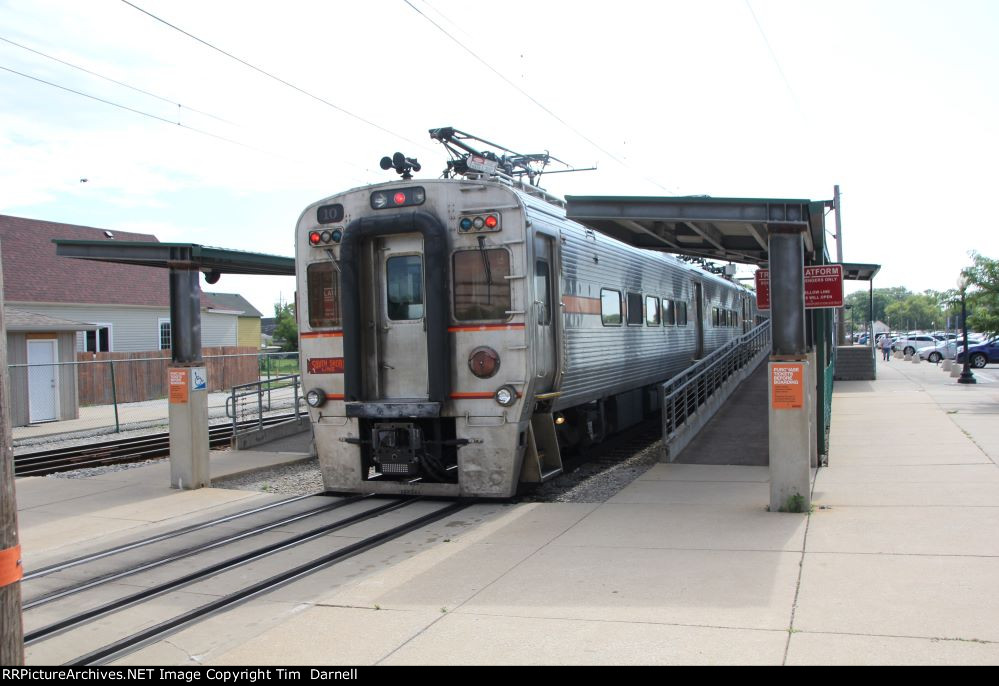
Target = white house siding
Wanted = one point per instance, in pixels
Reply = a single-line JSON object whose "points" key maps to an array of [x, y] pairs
{"points": [[219, 329], [136, 329]]}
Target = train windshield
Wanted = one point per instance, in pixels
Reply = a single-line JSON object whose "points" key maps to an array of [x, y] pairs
{"points": [[404, 287], [324, 296], [481, 286]]}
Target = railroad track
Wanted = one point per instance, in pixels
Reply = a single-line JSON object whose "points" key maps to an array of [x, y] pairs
{"points": [[135, 592], [119, 451]]}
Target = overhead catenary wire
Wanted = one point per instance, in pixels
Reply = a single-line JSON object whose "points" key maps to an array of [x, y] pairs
{"points": [[526, 94], [773, 56], [120, 83], [315, 97], [158, 118]]}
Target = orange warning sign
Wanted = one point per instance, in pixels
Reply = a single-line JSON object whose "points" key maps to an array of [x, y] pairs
{"points": [[788, 384], [178, 385]]}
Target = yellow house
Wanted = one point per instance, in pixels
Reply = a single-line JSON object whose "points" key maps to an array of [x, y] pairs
{"points": [[248, 318]]}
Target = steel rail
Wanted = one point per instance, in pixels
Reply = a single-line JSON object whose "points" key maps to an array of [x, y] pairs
{"points": [[217, 568], [59, 566], [117, 451], [141, 638], [181, 554]]}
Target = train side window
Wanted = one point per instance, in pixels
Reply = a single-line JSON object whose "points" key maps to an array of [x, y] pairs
{"points": [[714, 316], [324, 295], [543, 289], [404, 287], [635, 309], [651, 311], [610, 307], [669, 312], [681, 314], [481, 289]]}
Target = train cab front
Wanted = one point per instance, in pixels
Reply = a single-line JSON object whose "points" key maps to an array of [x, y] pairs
{"points": [[379, 343]]}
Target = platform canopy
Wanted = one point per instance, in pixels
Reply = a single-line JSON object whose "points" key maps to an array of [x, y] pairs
{"points": [[178, 256], [730, 229], [859, 271]]}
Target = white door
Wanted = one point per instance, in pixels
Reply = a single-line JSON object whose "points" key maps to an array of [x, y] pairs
{"points": [[42, 381]]}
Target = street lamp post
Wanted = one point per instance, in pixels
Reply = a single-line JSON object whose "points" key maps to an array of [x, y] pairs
{"points": [[966, 375]]}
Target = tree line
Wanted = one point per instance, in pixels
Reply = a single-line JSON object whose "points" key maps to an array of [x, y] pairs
{"points": [[903, 310]]}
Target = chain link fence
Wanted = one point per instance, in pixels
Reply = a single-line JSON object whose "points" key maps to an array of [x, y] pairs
{"points": [[126, 393]]}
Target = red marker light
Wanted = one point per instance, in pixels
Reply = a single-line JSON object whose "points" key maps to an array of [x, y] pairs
{"points": [[491, 221], [399, 198], [314, 238]]}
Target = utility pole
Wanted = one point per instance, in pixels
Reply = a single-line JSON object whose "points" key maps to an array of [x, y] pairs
{"points": [[841, 317], [11, 631]]}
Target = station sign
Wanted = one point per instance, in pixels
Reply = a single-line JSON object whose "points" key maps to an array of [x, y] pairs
{"points": [[823, 287]]}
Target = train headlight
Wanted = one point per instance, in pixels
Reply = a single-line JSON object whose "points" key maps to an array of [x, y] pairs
{"points": [[315, 398], [506, 396], [484, 362], [314, 237], [336, 235], [379, 201]]}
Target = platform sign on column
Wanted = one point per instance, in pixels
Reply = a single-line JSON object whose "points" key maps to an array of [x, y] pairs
{"points": [[823, 287], [788, 384], [179, 385], [199, 379]]}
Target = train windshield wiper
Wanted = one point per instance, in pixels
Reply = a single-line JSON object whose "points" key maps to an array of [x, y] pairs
{"points": [[488, 269]]}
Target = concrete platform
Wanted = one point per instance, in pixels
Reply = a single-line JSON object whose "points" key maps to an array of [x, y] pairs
{"points": [[897, 564]]}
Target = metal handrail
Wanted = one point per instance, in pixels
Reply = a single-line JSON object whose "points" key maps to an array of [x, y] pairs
{"points": [[687, 391], [256, 388]]}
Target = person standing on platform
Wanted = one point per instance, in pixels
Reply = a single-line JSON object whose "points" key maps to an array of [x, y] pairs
{"points": [[886, 347]]}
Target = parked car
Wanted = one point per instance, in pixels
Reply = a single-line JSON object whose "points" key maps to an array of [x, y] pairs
{"points": [[982, 354], [912, 342], [938, 351]]}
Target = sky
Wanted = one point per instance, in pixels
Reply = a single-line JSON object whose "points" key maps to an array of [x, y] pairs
{"points": [[897, 102]]}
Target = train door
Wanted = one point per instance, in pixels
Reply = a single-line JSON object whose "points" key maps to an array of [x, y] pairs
{"points": [[544, 315], [399, 319], [698, 321]]}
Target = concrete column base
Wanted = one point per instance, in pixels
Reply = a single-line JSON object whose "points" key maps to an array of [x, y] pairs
{"points": [[188, 429], [790, 438]]}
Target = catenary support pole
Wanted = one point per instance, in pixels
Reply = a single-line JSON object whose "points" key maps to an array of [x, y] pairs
{"points": [[841, 312]]}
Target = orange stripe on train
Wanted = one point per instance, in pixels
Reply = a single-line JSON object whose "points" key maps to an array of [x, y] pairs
{"points": [[486, 327], [577, 304]]}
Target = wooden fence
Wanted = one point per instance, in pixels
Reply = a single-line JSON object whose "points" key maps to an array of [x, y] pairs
{"points": [[143, 376]]}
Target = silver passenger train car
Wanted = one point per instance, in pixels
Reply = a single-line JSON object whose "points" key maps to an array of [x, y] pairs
{"points": [[458, 335]]}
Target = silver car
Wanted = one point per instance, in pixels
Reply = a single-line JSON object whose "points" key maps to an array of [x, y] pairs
{"points": [[913, 342], [938, 351]]}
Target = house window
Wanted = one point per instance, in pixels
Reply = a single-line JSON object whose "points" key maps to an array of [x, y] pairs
{"points": [[98, 341], [166, 340]]}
